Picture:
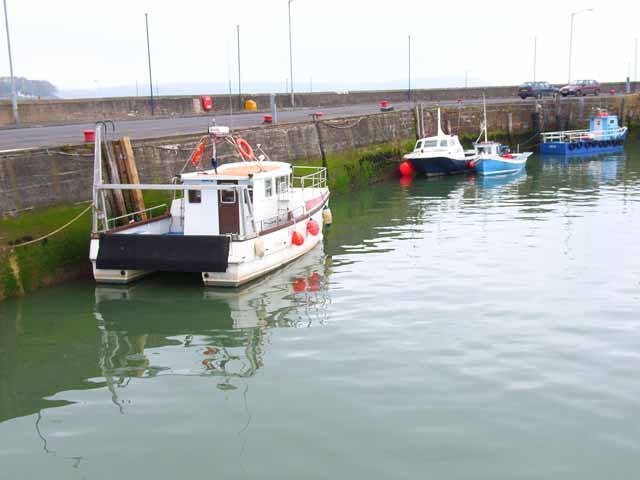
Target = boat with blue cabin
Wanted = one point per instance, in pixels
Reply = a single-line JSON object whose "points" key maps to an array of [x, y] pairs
{"points": [[493, 158], [604, 135]]}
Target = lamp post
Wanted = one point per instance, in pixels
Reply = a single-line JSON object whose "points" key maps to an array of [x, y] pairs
{"points": [[535, 56], [239, 73], [291, 56], [409, 86], [573, 14], [14, 94], [146, 22]]}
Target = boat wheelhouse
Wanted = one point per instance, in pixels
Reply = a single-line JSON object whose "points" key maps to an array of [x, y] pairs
{"points": [[439, 155], [604, 135], [231, 225]]}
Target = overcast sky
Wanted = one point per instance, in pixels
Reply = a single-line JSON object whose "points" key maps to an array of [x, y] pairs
{"points": [[87, 43]]}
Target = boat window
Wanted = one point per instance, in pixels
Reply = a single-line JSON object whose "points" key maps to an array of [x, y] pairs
{"points": [[430, 143], [418, 145], [282, 184], [444, 143], [195, 196], [227, 196], [268, 187]]}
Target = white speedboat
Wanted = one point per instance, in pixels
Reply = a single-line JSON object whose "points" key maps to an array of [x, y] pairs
{"points": [[439, 155], [232, 225]]}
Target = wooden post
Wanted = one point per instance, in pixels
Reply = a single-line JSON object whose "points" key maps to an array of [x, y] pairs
{"points": [[124, 177], [510, 126], [132, 172], [114, 176]]}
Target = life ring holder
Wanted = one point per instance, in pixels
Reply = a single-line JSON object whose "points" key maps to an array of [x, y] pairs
{"points": [[245, 149]]}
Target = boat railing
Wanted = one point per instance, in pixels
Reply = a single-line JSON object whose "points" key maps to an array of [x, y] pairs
{"points": [[570, 136], [279, 220], [309, 177], [111, 224]]}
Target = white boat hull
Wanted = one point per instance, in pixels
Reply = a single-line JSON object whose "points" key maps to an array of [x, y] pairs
{"points": [[244, 265]]}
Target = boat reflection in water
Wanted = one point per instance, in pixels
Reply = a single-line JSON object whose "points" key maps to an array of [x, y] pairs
{"points": [[603, 167], [162, 328]]}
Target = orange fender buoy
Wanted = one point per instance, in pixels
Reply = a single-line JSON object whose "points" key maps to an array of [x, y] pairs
{"points": [[312, 227], [297, 238], [406, 169]]}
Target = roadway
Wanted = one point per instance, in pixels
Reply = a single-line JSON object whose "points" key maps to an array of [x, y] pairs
{"points": [[56, 135]]}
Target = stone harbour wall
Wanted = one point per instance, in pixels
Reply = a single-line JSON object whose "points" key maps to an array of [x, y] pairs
{"points": [[35, 178]]}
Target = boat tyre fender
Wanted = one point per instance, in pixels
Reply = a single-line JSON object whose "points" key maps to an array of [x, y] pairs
{"points": [[245, 149], [572, 146]]}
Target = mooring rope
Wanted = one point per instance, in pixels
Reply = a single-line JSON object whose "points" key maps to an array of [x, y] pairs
{"points": [[11, 247]]}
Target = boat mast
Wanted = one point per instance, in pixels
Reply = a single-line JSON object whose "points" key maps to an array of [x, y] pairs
{"points": [[484, 107], [440, 132]]}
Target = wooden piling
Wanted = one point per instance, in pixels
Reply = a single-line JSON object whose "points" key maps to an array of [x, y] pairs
{"points": [[132, 172]]}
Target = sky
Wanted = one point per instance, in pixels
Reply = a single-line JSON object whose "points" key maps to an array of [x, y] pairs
{"points": [[337, 44]]}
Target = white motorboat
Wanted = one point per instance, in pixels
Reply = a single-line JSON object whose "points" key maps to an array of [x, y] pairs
{"points": [[439, 155], [232, 225]]}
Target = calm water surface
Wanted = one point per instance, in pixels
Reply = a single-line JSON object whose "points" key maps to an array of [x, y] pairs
{"points": [[462, 328]]}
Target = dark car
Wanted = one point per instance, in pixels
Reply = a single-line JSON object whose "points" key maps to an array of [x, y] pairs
{"points": [[581, 87], [536, 89]]}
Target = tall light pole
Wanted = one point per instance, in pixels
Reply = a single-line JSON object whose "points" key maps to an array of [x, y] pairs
{"points": [[635, 66], [409, 91], [535, 56], [146, 21], [14, 93], [239, 76], [573, 14], [291, 56]]}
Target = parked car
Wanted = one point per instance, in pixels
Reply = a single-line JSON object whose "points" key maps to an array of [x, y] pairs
{"points": [[536, 89], [581, 87]]}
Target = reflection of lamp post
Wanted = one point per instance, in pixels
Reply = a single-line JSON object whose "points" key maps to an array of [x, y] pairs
{"points": [[573, 14], [14, 94], [291, 57]]}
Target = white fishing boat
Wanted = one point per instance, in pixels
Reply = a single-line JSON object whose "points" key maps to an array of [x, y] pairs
{"points": [[231, 225], [441, 154]]}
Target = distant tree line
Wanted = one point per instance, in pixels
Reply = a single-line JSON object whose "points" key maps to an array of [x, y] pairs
{"points": [[27, 88]]}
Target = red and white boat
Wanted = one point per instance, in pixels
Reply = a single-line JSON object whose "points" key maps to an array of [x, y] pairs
{"points": [[232, 226]]}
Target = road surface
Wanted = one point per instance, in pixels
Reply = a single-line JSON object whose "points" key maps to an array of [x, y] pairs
{"points": [[52, 136]]}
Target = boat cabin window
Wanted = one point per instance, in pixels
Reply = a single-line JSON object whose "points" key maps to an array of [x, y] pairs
{"points": [[227, 196], [444, 143], [485, 149], [418, 145], [430, 143], [282, 184], [195, 196], [268, 187]]}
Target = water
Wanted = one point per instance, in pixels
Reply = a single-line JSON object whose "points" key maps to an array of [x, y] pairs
{"points": [[461, 328]]}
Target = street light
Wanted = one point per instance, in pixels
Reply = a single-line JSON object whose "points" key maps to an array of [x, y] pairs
{"points": [[573, 14], [146, 22], [14, 94], [290, 56]]}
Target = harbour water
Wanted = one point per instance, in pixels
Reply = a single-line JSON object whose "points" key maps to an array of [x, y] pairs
{"points": [[457, 328]]}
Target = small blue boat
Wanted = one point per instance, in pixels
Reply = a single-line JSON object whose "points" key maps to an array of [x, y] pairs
{"points": [[604, 135], [492, 158]]}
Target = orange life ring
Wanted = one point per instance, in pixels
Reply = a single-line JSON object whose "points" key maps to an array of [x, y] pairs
{"points": [[245, 149]]}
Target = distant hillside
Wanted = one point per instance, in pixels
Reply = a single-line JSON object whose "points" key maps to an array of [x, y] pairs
{"points": [[28, 88]]}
